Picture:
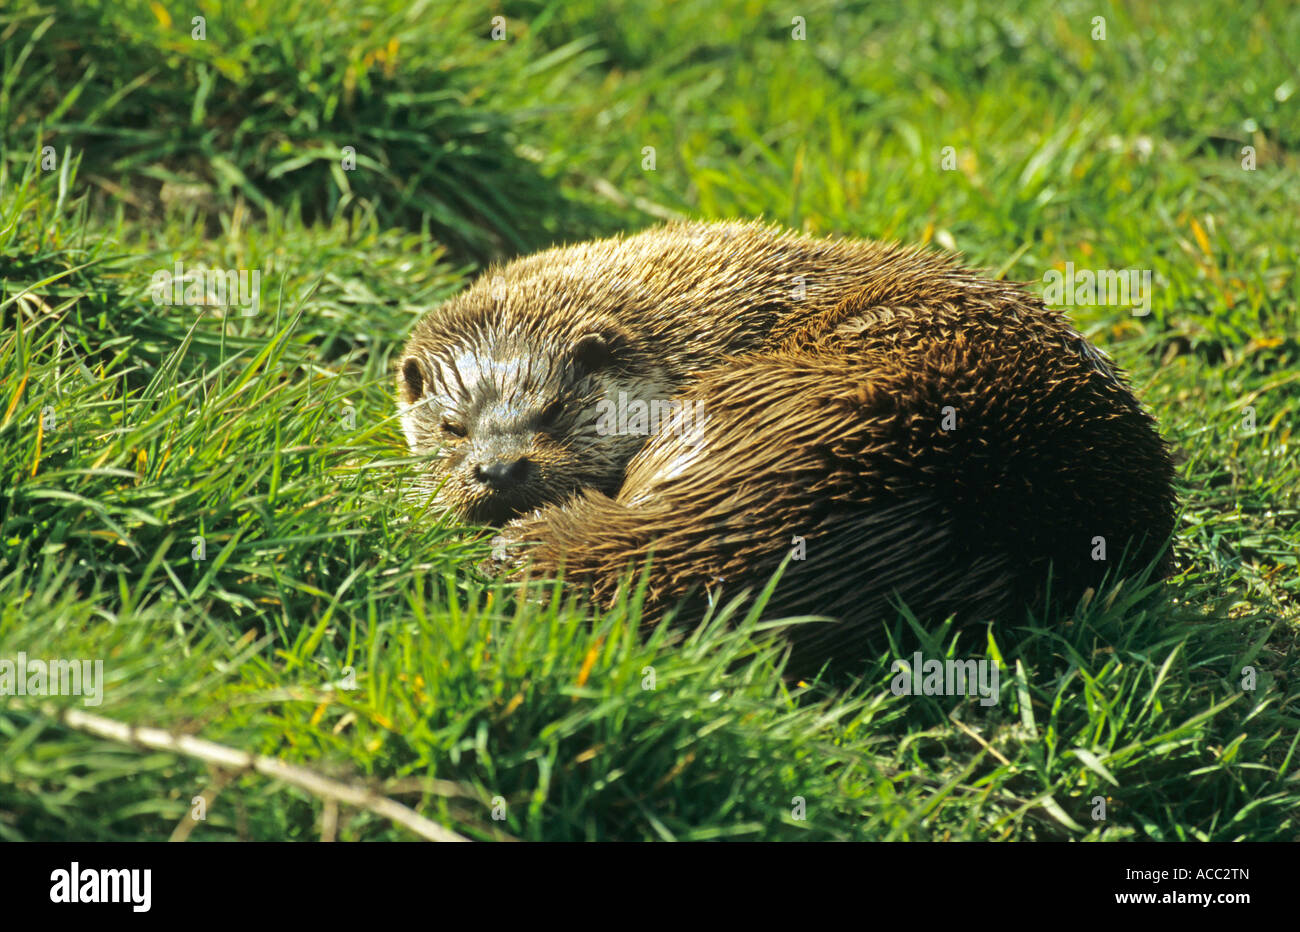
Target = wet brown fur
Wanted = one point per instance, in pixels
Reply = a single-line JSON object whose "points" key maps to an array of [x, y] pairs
{"points": [[824, 416]]}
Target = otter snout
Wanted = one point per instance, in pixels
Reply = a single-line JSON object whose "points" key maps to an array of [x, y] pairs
{"points": [[502, 474]]}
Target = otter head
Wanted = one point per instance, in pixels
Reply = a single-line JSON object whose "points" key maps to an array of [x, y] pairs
{"points": [[512, 417]]}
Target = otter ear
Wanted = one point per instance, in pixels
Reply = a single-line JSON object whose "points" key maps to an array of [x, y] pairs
{"points": [[411, 380], [592, 352]]}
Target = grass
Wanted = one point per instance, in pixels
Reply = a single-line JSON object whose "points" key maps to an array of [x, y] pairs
{"points": [[333, 624]]}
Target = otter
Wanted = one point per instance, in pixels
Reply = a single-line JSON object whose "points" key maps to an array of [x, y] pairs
{"points": [[909, 431]]}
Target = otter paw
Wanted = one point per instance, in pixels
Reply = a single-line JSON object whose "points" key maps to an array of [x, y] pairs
{"points": [[503, 559], [510, 547]]}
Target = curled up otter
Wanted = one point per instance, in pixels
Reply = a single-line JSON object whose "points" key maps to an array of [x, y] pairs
{"points": [[719, 394]]}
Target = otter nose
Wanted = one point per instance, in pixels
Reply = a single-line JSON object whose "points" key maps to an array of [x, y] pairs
{"points": [[501, 475]]}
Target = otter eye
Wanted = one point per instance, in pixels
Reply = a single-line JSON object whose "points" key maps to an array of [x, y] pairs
{"points": [[452, 428], [552, 413]]}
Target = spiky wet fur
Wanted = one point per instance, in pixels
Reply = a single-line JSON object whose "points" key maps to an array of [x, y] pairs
{"points": [[825, 368]]}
